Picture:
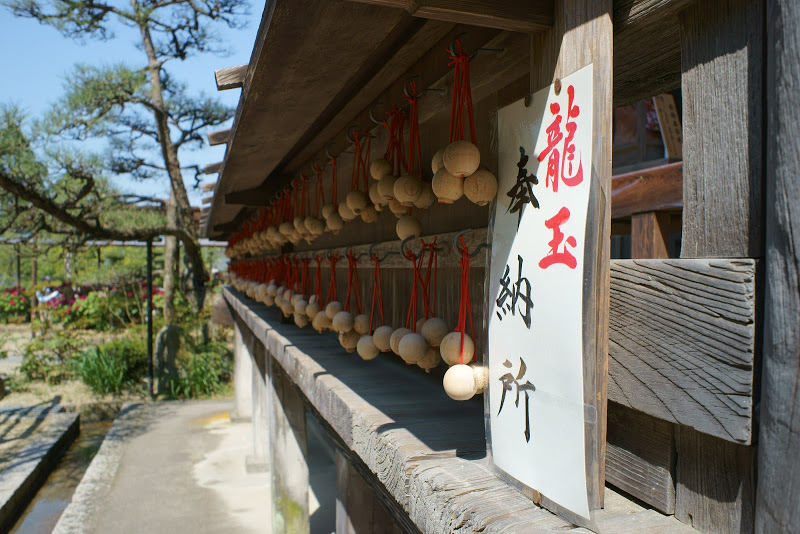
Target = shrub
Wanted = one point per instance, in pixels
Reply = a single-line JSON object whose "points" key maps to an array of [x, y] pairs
{"points": [[14, 306], [103, 370], [202, 373], [49, 357]]}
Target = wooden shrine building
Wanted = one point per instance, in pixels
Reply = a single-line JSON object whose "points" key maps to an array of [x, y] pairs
{"points": [[691, 402]]}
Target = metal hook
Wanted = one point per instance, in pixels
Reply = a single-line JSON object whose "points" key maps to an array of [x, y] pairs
{"points": [[328, 152], [373, 255], [403, 245], [349, 133], [457, 250], [423, 92], [452, 49], [371, 116]]}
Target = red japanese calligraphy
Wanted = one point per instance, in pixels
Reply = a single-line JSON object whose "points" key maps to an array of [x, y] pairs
{"points": [[557, 159], [555, 255]]}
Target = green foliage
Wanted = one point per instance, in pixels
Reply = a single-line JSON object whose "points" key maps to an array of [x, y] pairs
{"points": [[14, 306], [102, 369], [202, 373], [49, 357]]}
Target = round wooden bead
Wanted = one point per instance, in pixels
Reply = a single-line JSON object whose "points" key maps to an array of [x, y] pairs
{"points": [[334, 223], [312, 310], [481, 373], [407, 189], [461, 158], [480, 187], [327, 209], [434, 331], [300, 305], [361, 324], [345, 212], [382, 336], [301, 320], [408, 226], [394, 340], [412, 347], [349, 340], [321, 322], [437, 162], [459, 382], [450, 348], [314, 226], [286, 229], [300, 225], [430, 360], [333, 308], [379, 168], [356, 201], [369, 214], [418, 325], [366, 348], [272, 289], [396, 208], [386, 186], [343, 321], [426, 198], [446, 187], [375, 197]]}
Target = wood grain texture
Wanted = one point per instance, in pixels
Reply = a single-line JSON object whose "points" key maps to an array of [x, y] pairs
{"points": [[650, 235], [426, 450], [219, 137], [212, 168], [230, 77], [209, 186], [653, 189], [582, 35], [682, 342], [778, 504], [641, 456], [715, 483], [722, 70], [670, 125], [358, 510]]}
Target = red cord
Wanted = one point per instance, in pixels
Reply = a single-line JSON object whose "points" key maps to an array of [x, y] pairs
{"points": [[465, 304], [332, 259], [462, 96], [334, 184], [414, 151], [352, 281], [377, 294]]}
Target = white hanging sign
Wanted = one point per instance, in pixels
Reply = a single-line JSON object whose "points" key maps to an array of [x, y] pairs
{"points": [[537, 421]]}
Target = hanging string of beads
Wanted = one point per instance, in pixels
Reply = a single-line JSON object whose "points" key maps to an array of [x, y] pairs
{"points": [[313, 223], [407, 342], [387, 172], [356, 199], [315, 298], [333, 221], [367, 346], [344, 321]]}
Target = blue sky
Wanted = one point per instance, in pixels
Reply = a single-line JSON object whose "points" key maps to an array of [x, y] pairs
{"points": [[35, 60]]}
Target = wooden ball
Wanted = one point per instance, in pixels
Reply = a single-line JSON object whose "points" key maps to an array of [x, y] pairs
{"points": [[382, 337], [272, 289], [327, 209], [314, 226], [407, 189], [437, 162], [349, 340], [434, 331], [321, 322], [446, 187], [396, 208], [369, 214], [480, 187], [343, 321], [333, 308], [269, 301], [300, 225], [356, 201], [361, 324], [418, 325], [286, 308], [408, 226], [461, 158], [459, 382], [312, 309], [450, 348], [366, 348], [430, 360], [313, 299], [375, 197], [394, 340], [426, 198], [386, 186], [412, 347], [379, 168], [481, 373], [261, 292], [286, 229], [300, 305], [345, 212], [301, 320], [334, 223]]}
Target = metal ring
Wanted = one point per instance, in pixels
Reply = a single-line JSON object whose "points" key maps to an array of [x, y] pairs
{"points": [[349, 133], [474, 252], [452, 49], [403, 245], [372, 116], [408, 81]]}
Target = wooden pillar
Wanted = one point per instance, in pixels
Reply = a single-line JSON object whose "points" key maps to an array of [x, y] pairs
{"points": [[582, 34], [778, 503], [260, 410], [242, 376], [722, 72], [650, 235], [358, 510], [289, 450]]}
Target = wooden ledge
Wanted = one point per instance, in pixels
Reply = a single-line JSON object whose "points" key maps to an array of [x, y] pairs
{"points": [[425, 449]]}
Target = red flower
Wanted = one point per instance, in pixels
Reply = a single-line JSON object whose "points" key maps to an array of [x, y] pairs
{"points": [[130, 293], [5, 293], [11, 302], [22, 299]]}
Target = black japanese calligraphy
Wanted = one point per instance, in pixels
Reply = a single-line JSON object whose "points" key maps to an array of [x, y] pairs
{"points": [[515, 297], [509, 381], [521, 193]]}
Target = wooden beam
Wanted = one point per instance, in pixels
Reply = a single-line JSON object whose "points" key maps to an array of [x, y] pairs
{"points": [[650, 235], [257, 197], [219, 137], [208, 199], [723, 68], [209, 186], [682, 342], [513, 15], [669, 122], [582, 35], [654, 189], [779, 437], [230, 77], [212, 168]]}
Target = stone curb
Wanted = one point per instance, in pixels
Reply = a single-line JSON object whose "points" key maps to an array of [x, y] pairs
{"points": [[80, 516]]}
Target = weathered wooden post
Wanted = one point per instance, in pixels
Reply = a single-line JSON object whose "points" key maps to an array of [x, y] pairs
{"points": [[242, 376]]}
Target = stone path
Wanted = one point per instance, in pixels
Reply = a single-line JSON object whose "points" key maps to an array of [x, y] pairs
{"points": [[172, 467]]}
